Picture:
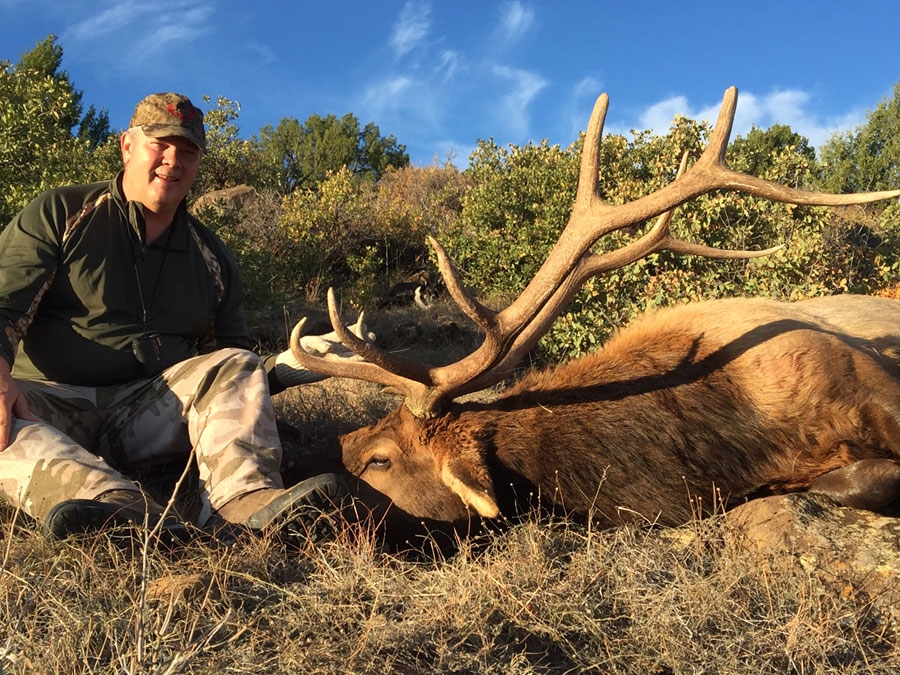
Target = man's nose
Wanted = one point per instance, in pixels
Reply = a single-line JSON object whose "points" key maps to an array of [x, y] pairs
{"points": [[173, 155]]}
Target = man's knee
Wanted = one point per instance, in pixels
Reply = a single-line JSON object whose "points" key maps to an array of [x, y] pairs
{"points": [[229, 360], [233, 373]]}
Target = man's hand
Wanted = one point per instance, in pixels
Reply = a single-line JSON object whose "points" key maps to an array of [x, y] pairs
{"points": [[12, 404], [289, 371]]}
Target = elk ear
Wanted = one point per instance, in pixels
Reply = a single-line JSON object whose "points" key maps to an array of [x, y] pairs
{"points": [[468, 477]]}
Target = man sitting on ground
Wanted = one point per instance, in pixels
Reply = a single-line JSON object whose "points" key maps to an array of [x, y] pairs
{"points": [[123, 343]]}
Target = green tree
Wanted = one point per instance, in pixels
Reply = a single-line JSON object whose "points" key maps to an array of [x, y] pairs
{"points": [[302, 155], [867, 158], [94, 127], [45, 60], [755, 153], [45, 140], [229, 159]]}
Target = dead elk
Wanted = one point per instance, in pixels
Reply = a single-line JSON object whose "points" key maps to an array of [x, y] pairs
{"points": [[688, 409]]}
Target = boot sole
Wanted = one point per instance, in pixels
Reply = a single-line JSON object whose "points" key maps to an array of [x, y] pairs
{"points": [[86, 516], [302, 507]]}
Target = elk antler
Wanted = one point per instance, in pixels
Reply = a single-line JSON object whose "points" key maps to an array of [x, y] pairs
{"points": [[511, 332]]}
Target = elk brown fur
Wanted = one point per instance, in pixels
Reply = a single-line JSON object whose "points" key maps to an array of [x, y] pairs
{"points": [[690, 409]]}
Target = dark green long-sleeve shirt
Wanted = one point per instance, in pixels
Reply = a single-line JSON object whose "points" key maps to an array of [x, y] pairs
{"points": [[102, 279]]}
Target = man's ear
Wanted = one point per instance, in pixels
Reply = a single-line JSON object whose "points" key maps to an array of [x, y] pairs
{"points": [[468, 477], [125, 143]]}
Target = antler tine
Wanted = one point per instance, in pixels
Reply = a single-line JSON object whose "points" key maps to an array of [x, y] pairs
{"points": [[339, 366], [410, 378], [718, 140], [588, 191], [712, 172], [480, 315]]}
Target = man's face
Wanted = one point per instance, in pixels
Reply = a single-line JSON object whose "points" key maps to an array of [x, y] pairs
{"points": [[159, 172]]}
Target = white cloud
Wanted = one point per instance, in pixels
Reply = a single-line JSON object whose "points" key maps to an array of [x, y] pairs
{"points": [[263, 53], [512, 107], [791, 107], [515, 20], [414, 101], [108, 21], [447, 65], [165, 35], [781, 106], [412, 27], [659, 116], [146, 30], [385, 94]]}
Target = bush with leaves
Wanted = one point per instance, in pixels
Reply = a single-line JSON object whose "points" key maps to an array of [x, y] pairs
{"points": [[269, 259], [512, 215], [358, 235], [522, 197], [410, 203], [332, 228], [229, 160]]}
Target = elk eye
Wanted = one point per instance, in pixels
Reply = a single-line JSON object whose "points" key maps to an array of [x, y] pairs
{"points": [[378, 463]]}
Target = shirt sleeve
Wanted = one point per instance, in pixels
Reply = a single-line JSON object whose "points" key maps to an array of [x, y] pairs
{"points": [[230, 323], [29, 249], [276, 386]]}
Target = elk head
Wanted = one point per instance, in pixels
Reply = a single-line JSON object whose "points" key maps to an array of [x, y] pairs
{"points": [[416, 455]]}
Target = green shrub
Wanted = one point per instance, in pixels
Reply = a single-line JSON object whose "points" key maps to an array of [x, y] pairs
{"points": [[358, 235]]}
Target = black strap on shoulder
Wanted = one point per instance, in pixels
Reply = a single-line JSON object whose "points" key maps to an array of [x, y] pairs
{"points": [[208, 341]]}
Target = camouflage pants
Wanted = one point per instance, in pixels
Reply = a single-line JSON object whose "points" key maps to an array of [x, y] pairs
{"points": [[216, 404]]}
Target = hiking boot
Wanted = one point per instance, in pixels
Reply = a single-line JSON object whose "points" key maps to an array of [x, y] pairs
{"points": [[112, 509], [300, 511]]}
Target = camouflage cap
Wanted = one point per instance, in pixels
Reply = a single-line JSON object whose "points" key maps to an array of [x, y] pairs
{"points": [[169, 114]]}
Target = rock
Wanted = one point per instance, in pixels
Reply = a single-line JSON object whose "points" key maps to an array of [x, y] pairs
{"points": [[227, 199], [844, 547], [802, 522]]}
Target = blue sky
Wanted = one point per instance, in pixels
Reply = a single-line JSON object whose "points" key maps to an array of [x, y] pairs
{"points": [[440, 75]]}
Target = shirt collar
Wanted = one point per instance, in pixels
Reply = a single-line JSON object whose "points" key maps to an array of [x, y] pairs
{"points": [[133, 211]]}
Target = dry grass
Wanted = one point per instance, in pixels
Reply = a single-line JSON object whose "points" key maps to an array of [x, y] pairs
{"points": [[543, 597]]}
